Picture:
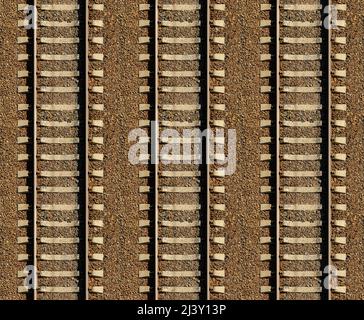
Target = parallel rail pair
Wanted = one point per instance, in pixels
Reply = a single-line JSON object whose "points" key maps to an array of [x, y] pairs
{"points": [[303, 149], [58, 170], [180, 205]]}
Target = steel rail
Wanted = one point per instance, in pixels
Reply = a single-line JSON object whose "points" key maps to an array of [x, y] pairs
{"points": [[277, 150], [86, 148], [155, 151], [35, 165], [329, 137], [207, 156]]}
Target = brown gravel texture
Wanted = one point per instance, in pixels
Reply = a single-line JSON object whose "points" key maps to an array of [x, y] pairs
{"points": [[242, 114], [121, 182], [121, 178], [355, 150], [8, 152]]}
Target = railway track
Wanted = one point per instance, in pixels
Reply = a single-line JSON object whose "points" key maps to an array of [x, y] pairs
{"points": [[182, 206], [180, 230], [303, 151], [59, 150]]}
